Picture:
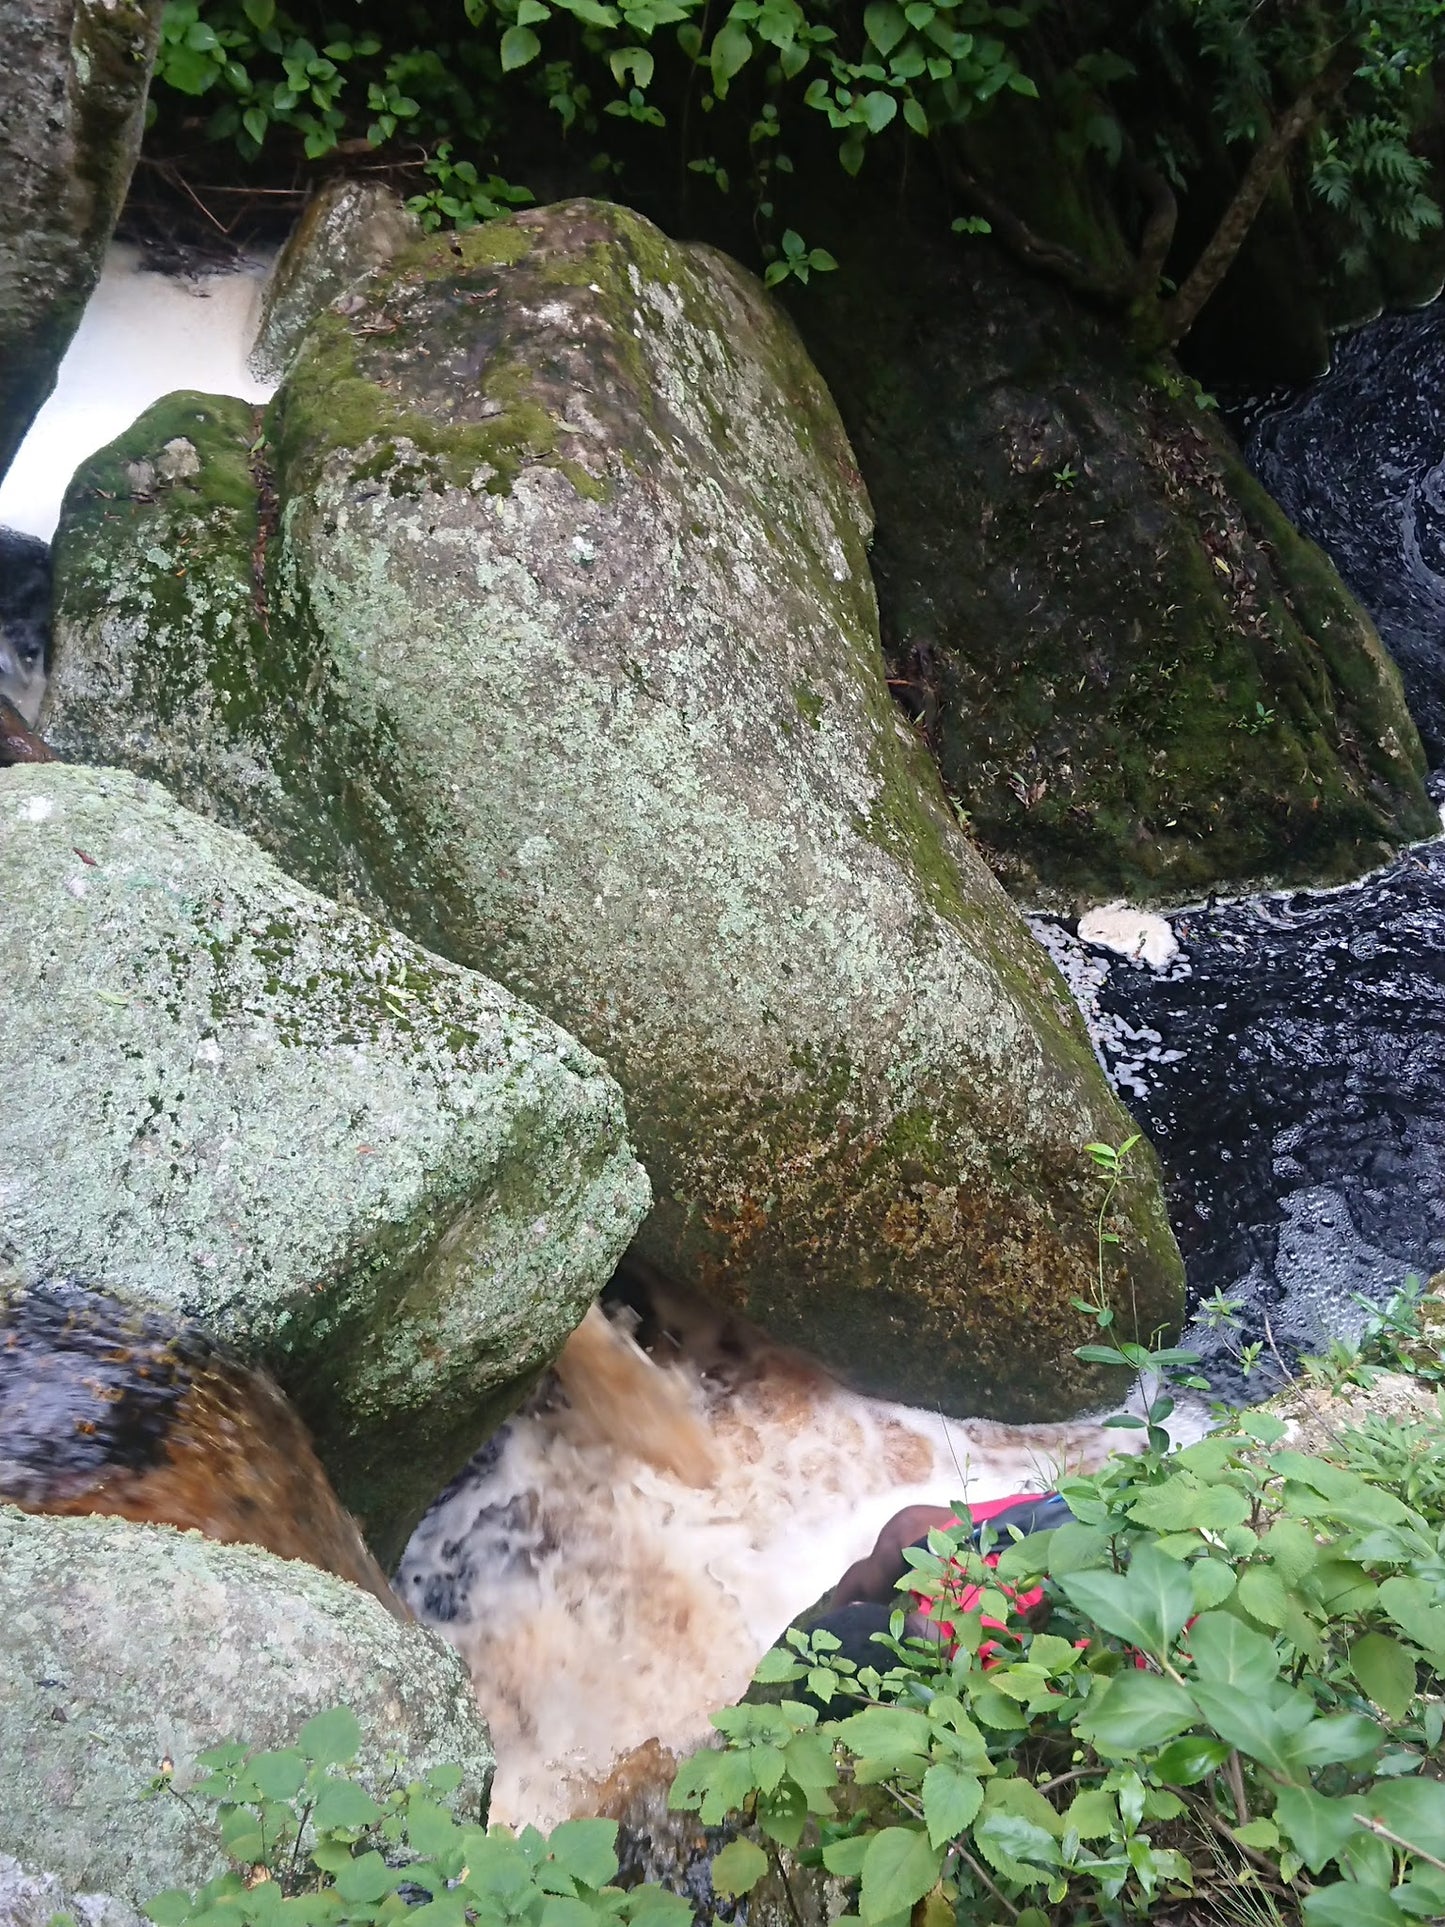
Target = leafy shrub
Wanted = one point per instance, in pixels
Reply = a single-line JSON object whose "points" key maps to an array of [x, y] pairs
{"points": [[312, 1847], [1239, 1688]]}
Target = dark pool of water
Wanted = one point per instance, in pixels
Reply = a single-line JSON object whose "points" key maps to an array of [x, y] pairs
{"points": [[1290, 1065]]}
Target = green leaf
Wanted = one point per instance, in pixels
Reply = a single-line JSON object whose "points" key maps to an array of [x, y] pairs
{"points": [[1092, 1814], [1319, 1827], [951, 1799], [331, 1738], [1385, 1671], [738, 1868], [1226, 1652], [1016, 1847], [1148, 1605], [879, 110], [731, 49], [1410, 1603], [256, 120], [1077, 1548], [170, 1909], [1181, 1505], [1350, 1903], [899, 1869], [587, 1849], [260, 13], [341, 1803], [885, 1732], [884, 24], [278, 1776], [367, 1878], [519, 46], [1249, 1720], [1212, 1581], [845, 1857], [1414, 1808], [1186, 1761], [241, 1834], [1134, 1710], [1262, 1833], [1262, 1595], [916, 118], [777, 1667]]}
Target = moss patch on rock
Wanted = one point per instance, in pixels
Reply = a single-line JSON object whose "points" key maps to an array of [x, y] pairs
{"points": [[1138, 679]]}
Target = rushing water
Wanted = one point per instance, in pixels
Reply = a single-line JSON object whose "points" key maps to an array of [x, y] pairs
{"points": [[612, 1565]]}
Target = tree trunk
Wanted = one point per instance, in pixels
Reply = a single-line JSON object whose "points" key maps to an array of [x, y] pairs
{"points": [[1180, 314]]}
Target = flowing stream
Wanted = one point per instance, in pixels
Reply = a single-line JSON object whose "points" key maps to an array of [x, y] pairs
{"points": [[612, 1564]]}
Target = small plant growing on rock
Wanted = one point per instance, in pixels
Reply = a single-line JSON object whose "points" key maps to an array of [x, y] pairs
{"points": [[310, 1846]]}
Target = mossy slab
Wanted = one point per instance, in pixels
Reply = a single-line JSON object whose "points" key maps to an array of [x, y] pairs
{"points": [[1138, 678], [373, 1172], [128, 1648], [569, 661]]}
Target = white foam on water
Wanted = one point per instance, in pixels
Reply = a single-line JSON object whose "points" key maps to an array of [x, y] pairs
{"points": [[604, 1600], [142, 336], [1138, 934]]}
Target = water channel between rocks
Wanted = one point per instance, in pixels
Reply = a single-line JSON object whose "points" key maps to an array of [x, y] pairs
{"points": [[611, 1565]]}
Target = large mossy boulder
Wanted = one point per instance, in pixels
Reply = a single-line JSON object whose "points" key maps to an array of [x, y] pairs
{"points": [[130, 1650], [544, 621], [73, 81], [1139, 679], [236, 1103]]}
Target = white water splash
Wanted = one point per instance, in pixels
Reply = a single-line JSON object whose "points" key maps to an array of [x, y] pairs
{"points": [[142, 336], [603, 1602]]}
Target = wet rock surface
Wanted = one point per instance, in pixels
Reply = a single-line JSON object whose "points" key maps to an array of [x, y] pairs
{"points": [[371, 1172], [73, 81], [24, 622], [128, 1647], [547, 630], [105, 1410]]}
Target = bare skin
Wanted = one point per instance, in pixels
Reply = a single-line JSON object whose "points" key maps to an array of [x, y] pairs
{"points": [[875, 1578]]}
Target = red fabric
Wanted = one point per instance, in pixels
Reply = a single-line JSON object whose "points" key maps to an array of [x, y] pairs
{"points": [[963, 1597]]}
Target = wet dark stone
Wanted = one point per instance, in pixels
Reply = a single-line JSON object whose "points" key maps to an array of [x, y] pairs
{"points": [[107, 1410], [25, 592]]}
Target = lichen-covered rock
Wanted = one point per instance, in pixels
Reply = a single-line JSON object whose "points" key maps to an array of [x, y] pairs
{"points": [[348, 231], [363, 1167], [73, 81], [1139, 679], [568, 657], [129, 1646], [30, 1898]]}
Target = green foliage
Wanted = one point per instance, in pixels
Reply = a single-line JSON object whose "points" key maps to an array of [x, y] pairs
{"points": [[1239, 1692], [460, 196], [310, 1846], [924, 66], [797, 261]]}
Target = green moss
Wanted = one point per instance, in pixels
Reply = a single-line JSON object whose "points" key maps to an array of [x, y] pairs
{"points": [[1095, 658]]}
